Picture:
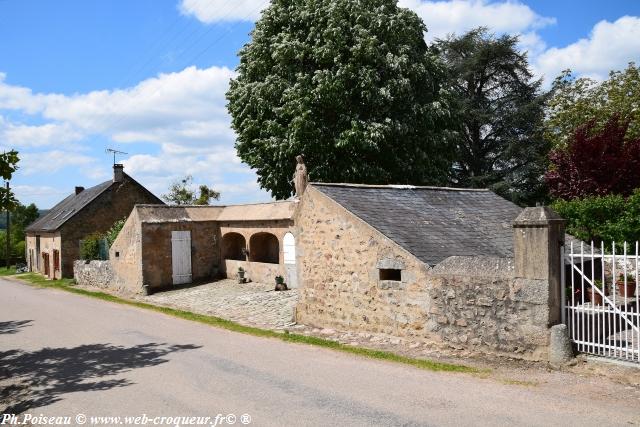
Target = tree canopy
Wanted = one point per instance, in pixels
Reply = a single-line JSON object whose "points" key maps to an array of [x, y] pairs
{"points": [[351, 85], [596, 162], [576, 101], [499, 110], [181, 193], [8, 165]]}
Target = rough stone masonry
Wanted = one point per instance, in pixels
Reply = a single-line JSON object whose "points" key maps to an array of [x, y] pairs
{"points": [[480, 303]]}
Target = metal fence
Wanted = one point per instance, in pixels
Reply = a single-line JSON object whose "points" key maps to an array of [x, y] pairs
{"points": [[601, 299]]}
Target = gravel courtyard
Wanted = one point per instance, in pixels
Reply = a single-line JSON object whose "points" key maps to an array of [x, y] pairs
{"points": [[252, 304]]}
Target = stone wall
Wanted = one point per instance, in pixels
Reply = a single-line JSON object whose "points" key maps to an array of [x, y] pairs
{"points": [[156, 251], [98, 274], [125, 254], [338, 259], [255, 271], [474, 303], [478, 304]]}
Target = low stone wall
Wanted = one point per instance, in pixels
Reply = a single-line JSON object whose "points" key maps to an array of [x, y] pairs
{"points": [[470, 303], [97, 274], [478, 304], [255, 271]]}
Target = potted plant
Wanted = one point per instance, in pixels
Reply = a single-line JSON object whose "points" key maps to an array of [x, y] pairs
{"points": [[595, 296], [626, 287], [241, 278], [280, 285]]}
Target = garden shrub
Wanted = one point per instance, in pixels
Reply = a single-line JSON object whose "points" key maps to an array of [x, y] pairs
{"points": [[603, 218]]}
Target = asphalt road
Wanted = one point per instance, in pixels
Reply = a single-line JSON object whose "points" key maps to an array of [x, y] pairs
{"points": [[85, 356]]}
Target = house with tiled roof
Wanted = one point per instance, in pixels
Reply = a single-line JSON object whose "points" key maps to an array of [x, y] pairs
{"points": [[53, 240]]}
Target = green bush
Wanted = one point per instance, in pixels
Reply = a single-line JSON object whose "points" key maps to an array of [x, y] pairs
{"points": [[113, 232], [90, 247], [603, 218]]}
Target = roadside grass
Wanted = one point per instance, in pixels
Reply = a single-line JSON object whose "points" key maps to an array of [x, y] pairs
{"points": [[67, 285], [4, 271]]}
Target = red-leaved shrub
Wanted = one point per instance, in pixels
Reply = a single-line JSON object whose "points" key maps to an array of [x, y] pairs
{"points": [[595, 162]]}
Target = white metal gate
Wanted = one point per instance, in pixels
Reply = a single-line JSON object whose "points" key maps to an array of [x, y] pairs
{"points": [[181, 256], [601, 301]]}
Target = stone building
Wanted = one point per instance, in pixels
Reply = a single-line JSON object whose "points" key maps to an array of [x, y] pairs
{"points": [[161, 246], [53, 241], [432, 264]]}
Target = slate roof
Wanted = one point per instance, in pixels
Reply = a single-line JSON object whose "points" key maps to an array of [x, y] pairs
{"points": [[67, 208], [432, 223]]}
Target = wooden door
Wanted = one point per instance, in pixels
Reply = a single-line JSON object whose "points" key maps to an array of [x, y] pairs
{"points": [[181, 256], [45, 261], [289, 249]]}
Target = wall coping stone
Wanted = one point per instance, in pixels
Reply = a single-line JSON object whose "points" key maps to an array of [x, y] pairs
{"points": [[475, 266]]}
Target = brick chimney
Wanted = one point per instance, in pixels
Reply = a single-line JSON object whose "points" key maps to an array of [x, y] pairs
{"points": [[118, 172], [79, 190]]}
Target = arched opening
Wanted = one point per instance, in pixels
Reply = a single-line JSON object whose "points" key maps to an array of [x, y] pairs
{"points": [[289, 248], [264, 247], [233, 246]]}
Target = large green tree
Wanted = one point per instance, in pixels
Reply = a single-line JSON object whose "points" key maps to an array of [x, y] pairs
{"points": [[350, 84], [182, 193], [577, 101], [500, 110]]}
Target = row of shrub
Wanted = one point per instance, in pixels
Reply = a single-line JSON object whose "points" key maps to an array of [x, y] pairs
{"points": [[96, 245], [602, 218]]}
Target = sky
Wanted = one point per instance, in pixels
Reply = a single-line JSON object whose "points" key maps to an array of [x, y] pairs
{"points": [[148, 77]]}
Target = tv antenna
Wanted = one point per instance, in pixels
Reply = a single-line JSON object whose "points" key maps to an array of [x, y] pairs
{"points": [[111, 150]]}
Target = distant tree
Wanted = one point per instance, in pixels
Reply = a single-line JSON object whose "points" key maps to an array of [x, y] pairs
{"points": [[8, 165], [500, 110], [596, 162], [181, 193], [351, 85], [22, 215], [576, 101]]}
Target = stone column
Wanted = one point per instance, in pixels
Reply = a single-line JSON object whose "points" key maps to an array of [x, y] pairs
{"points": [[538, 234]]}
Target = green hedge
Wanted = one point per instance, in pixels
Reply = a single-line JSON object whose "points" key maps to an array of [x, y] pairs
{"points": [[603, 218]]}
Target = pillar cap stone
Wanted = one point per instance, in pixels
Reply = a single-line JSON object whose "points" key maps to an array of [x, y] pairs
{"points": [[537, 216]]}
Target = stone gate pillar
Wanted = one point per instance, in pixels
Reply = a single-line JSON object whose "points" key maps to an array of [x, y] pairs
{"points": [[538, 234]]}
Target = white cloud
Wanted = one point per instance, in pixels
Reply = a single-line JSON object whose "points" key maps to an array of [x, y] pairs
{"points": [[182, 113], [18, 135], [611, 45], [209, 11], [19, 98], [179, 104], [47, 162], [459, 16]]}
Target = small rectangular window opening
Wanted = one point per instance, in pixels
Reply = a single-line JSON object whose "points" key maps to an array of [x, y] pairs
{"points": [[117, 254], [390, 274]]}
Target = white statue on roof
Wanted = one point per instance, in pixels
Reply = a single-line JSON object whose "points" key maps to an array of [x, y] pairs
{"points": [[300, 177]]}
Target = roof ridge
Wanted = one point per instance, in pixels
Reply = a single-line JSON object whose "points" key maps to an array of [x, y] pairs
{"points": [[216, 206], [395, 186]]}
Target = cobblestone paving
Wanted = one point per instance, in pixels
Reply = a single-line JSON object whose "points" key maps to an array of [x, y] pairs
{"points": [[252, 304]]}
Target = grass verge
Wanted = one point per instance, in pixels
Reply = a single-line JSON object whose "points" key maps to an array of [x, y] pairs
{"points": [[4, 271], [66, 285]]}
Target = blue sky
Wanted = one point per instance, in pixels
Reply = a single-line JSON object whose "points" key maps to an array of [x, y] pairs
{"points": [[148, 77]]}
